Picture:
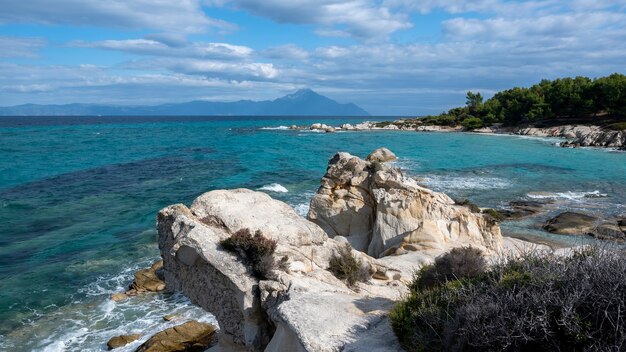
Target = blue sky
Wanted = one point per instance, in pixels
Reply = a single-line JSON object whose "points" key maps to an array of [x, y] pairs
{"points": [[391, 57]]}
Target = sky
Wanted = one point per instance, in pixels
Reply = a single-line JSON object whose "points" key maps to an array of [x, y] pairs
{"points": [[391, 57]]}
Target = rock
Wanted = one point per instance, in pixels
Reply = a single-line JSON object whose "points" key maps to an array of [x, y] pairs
{"points": [[190, 336], [329, 129], [117, 297], [169, 317], [523, 209], [571, 223], [122, 340], [148, 279], [302, 306], [347, 126], [381, 155], [609, 231], [316, 126], [307, 309], [584, 136], [379, 209]]}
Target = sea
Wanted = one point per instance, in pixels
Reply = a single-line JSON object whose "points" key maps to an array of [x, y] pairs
{"points": [[79, 196]]}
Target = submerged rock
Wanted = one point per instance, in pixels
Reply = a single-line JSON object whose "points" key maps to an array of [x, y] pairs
{"points": [[571, 223], [379, 210], [122, 340], [524, 208], [190, 336]]}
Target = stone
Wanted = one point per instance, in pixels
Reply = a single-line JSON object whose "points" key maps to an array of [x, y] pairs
{"points": [[148, 280], [571, 223], [523, 209], [169, 317], [609, 231], [117, 297], [379, 208], [276, 314], [381, 155], [190, 336], [302, 306], [580, 135], [121, 340]]}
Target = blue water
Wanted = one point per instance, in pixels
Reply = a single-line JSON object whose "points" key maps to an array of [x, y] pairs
{"points": [[78, 199]]}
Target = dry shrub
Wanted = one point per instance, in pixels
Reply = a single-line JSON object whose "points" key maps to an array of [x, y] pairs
{"points": [[534, 303], [348, 268], [459, 263], [255, 249]]}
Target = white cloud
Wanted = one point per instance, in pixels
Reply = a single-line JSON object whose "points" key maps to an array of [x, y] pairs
{"points": [[166, 48], [20, 47], [363, 19], [184, 16]]}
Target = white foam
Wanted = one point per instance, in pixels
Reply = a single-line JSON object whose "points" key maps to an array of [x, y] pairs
{"points": [[274, 187], [302, 209], [569, 195], [93, 318], [459, 182], [280, 128]]}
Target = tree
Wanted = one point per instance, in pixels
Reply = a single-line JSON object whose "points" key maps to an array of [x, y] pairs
{"points": [[474, 101]]}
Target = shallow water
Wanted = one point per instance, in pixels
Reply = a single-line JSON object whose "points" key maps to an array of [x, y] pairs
{"points": [[78, 199]]}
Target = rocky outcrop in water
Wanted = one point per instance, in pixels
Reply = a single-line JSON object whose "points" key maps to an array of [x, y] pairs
{"points": [[584, 136], [146, 280], [380, 211], [121, 341], [304, 308], [571, 223], [300, 305], [191, 336]]}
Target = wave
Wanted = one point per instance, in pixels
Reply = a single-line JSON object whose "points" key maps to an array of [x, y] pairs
{"points": [[281, 128], [569, 195], [442, 183], [93, 318], [274, 187]]}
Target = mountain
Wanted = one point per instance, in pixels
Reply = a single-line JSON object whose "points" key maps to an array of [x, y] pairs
{"points": [[304, 102]]}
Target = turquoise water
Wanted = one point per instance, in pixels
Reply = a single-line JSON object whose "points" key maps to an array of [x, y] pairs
{"points": [[78, 199]]}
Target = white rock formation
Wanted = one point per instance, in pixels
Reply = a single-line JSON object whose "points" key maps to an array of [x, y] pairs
{"points": [[381, 155], [380, 211], [304, 309], [586, 136]]}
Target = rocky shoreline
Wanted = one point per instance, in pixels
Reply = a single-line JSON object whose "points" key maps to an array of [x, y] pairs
{"points": [[576, 135]]}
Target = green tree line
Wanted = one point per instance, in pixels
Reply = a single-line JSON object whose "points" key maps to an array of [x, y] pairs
{"points": [[560, 99]]}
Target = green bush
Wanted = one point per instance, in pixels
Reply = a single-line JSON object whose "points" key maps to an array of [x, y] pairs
{"points": [[255, 249], [472, 123], [346, 267], [540, 302]]}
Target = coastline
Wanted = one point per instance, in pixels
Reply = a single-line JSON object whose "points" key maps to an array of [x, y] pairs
{"points": [[575, 135]]}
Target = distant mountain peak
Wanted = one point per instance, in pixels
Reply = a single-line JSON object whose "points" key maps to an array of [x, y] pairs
{"points": [[303, 102], [301, 93]]}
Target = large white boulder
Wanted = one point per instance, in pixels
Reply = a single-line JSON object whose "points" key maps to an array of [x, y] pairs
{"points": [[380, 211], [301, 308]]}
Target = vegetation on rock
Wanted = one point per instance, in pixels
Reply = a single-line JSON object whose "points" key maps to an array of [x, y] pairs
{"points": [[347, 267], [540, 302], [256, 249]]}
